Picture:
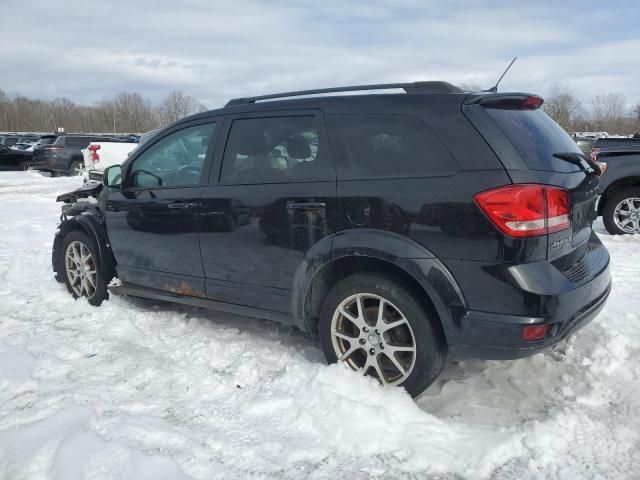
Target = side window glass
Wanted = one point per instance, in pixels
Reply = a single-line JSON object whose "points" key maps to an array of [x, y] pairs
{"points": [[386, 146], [275, 149], [176, 160]]}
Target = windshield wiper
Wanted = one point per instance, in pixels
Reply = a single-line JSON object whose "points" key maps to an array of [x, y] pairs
{"points": [[581, 160]]}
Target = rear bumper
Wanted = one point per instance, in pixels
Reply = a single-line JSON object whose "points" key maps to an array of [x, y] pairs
{"points": [[494, 336], [505, 299], [48, 164]]}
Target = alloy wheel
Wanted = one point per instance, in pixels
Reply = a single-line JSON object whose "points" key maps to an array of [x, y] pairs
{"points": [[372, 336], [76, 169], [627, 215], [81, 269]]}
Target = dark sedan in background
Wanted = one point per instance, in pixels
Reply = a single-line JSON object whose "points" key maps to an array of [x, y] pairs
{"points": [[14, 159]]}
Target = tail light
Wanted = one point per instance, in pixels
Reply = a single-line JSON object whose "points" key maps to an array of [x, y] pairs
{"points": [[522, 211], [95, 156], [594, 154], [532, 102]]}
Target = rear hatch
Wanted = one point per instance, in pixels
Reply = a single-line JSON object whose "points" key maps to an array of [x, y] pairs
{"points": [[45, 147], [536, 150]]}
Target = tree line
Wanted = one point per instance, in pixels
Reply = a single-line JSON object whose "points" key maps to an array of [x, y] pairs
{"points": [[129, 112], [126, 112], [606, 112]]}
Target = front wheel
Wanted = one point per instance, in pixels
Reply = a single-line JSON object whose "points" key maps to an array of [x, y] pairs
{"points": [[83, 273], [621, 213], [377, 326]]}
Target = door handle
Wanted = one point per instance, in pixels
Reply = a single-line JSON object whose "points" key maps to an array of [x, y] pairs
{"points": [[180, 205], [307, 206]]}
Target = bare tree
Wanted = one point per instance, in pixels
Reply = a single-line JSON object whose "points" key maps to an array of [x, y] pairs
{"points": [[563, 106], [176, 106], [609, 112], [126, 112]]}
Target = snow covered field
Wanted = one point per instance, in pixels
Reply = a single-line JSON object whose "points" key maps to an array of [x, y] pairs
{"points": [[137, 390]]}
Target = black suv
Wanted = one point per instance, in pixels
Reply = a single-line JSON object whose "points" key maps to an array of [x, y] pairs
{"points": [[398, 226], [63, 153]]}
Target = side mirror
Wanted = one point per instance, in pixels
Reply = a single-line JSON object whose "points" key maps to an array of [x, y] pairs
{"points": [[112, 176]]}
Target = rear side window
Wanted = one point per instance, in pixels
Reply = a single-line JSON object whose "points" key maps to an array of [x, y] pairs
{"points": [[275, 150], [536, 137], [383, 146], [77, 141]]}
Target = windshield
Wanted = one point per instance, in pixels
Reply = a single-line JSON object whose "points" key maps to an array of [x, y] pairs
{"points": [[536, 137]]}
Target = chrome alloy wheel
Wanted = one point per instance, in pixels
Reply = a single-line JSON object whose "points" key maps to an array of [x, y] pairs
{"points": [[81, 269], [77, 169], [627, 215], [372, 336]]}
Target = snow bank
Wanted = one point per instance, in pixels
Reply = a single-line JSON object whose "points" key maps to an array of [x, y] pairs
{"points": [[137, 389]]}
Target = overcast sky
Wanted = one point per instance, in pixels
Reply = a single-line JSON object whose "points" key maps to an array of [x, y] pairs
{"points": [[89, 50]]}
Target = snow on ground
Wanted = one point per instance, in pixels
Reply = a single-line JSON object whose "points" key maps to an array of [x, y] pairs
{"points": [[140, 390]]}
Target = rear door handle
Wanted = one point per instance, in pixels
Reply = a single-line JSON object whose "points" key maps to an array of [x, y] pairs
{"points": [[180, 205], [307, 206]]}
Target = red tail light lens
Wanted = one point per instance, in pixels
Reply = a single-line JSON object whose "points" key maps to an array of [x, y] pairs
{"points": [[532, 102], [95, 156], [521, 211], [533, 333]]}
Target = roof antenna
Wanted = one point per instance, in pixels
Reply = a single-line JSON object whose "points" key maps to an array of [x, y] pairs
{"points": [[494, 89]]}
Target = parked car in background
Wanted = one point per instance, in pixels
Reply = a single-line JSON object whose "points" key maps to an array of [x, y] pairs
{"points": [[614, 142], [400, 227], [619, 202], [13, 159], [585, 144], [145, 137], [63, 153], [28, 147], [100, 155], [9, 140]]}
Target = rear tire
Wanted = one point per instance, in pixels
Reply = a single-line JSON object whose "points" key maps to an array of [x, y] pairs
{"points": [[371, 339], [82, 271], [621, 213], [76, 168]]}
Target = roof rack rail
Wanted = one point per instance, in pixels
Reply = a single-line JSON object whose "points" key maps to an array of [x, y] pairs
{"points": [[413, 87]]}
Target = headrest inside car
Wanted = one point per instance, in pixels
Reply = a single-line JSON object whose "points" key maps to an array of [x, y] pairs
{"points": [[298, 147]]}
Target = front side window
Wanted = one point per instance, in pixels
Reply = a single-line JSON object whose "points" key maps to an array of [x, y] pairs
{"points": [[176, 160], [273, 150]]}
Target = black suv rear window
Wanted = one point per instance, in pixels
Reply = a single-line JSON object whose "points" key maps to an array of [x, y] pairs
{"points": [[536, 137], [384, 146]]}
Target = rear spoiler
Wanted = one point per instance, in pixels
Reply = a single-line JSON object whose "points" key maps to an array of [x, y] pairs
{"points": [[508, 101]]}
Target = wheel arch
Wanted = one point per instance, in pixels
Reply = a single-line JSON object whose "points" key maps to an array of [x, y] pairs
{"points": [[90, 225], [381, 252], [615, 186]]}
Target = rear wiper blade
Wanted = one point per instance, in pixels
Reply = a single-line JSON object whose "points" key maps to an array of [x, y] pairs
{"points": [[581, 160]]}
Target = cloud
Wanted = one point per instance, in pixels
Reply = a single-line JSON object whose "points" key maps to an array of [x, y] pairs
{"points": [[88, 51]]}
